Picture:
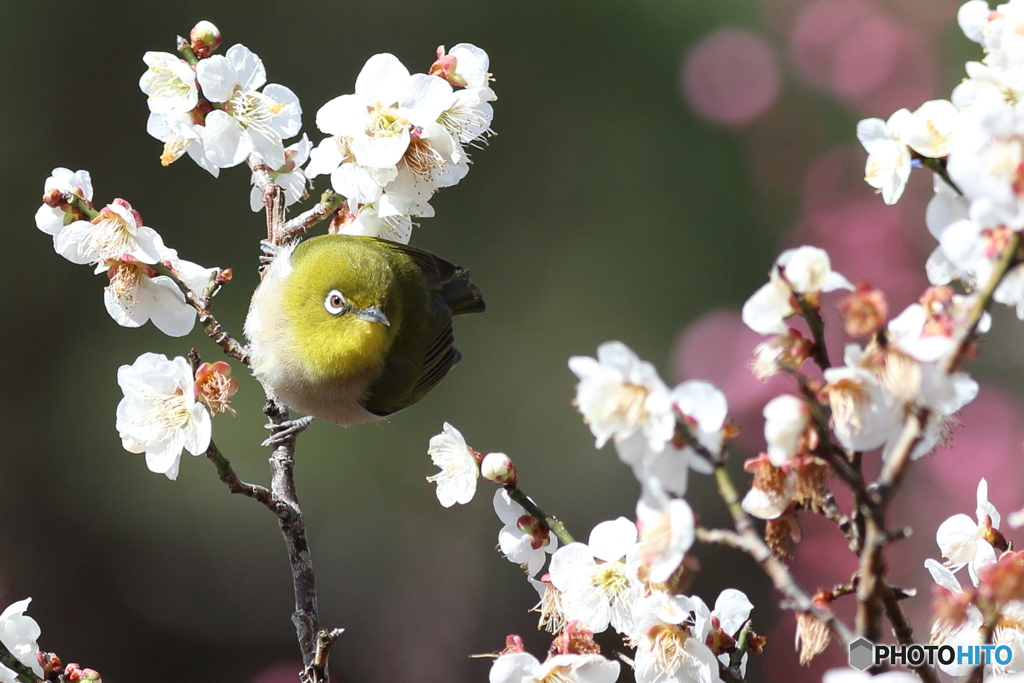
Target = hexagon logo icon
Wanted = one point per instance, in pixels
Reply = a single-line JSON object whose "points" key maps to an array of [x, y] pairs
{"points": [[861, 654]]}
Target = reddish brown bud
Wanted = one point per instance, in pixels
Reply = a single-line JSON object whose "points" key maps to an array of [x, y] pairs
{"points": [[224, 276], [864, 311], [205, 39], [445, 67], [56, 199]]}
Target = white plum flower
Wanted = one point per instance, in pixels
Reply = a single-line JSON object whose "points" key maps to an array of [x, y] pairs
{"points": [[619, 394], [801, 271], [809, 270], [456, 482], [248, 120], [170, 84], [943, 632], [368, 222], [518, 546], [290, 177], [767, 308], [666, 532], [786, 419], [182, 134], [116, 231], [932, 129], [52, 220], [159, 414], [522, 667], [964, 541], [888, 164], [668, 648], [599, 588], [137, 295], [732, 610], [472, 65], [19, 634], [704, 409], [862, 412]]}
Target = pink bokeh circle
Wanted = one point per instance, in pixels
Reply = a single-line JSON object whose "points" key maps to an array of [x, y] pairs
{"points": [[731, 77]]}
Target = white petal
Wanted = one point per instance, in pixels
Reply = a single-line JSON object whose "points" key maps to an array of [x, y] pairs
{"points": [[611, 540]]}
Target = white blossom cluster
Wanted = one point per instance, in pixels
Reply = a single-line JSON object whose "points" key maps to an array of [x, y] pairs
{"points": [[626, 576], [974, 140], [400, 137], [19, 633]]}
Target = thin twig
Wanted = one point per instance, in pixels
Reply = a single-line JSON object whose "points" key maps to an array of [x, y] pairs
{"points": [[329, 203], [817, 327], [551, 523], [236, 485], [747, 539], [904, 632], [325, 640]]}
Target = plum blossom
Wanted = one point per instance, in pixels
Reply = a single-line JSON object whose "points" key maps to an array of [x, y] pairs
{"points": [[667, 531], [732, 610], [522, 667], [862, 412], [19, 634], [801, 271], [944, 632], [964, 541], [170, 84], [248, 121], [366, 221], [888, 165], [522, 540], [159, 414], [619, 395], [52, 219], [116, 231], [786, 420], [704, 409], [460, 467], [670, 646], [598, 587], [289, 177]]}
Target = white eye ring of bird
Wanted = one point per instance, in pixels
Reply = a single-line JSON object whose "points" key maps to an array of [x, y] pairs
{"points": [[335, 302]]}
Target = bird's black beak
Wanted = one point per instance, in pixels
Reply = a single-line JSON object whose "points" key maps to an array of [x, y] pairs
{"points": [[373, 314]]}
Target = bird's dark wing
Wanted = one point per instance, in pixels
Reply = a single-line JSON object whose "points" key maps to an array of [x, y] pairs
{"points": [[436, 270], [436, 360]]}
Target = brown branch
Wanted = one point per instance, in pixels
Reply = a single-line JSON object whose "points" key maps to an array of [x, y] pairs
{"points": [[236, 485], [201, 303], [747, 539], [904, 631], [306, 616], [870, 589], [317, 671], [329, 203]]}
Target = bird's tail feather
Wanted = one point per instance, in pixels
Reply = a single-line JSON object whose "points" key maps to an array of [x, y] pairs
{"points": [[461, 295]]}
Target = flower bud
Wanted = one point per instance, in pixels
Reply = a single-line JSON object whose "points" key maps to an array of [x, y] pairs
{"points": [[863, 311], [1003, 581], [55, 199], [205, 39], [513, 644], [445, 67], [497, 467], [214, 386]]}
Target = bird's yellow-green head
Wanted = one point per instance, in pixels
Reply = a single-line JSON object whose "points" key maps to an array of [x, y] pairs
{"points": [[338, 308]]}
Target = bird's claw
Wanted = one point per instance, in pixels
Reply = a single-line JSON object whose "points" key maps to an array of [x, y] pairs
{"points": [[270, 252], [279, 433]]}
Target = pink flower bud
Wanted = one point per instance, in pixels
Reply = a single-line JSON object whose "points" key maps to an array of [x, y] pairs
{"points": [[205, 39], [863, 311], [445, 67]]}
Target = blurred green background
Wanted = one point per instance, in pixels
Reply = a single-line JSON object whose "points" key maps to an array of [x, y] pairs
{"points": [[605, 208]]}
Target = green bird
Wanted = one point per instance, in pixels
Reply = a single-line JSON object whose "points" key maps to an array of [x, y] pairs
{"points": [[351, 329]]}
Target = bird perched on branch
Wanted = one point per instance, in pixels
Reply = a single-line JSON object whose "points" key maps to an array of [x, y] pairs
{"points": [[351, 329]]}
